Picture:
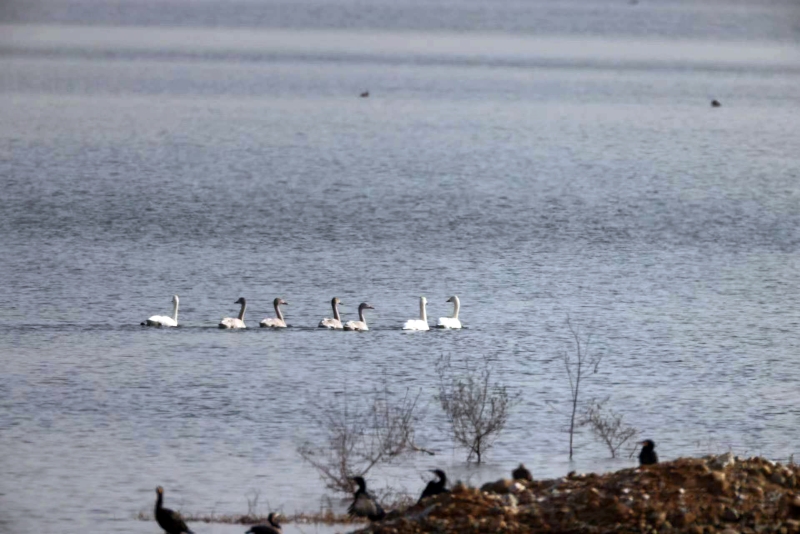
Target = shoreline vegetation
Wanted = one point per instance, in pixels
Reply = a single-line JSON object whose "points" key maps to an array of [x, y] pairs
{"points": [[721, 494]]}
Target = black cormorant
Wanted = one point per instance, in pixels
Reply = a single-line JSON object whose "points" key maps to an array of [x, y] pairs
{"points": [[521, 473], [170, 521], [364, 504], [435, 487], [272, 528], [648, 455]]}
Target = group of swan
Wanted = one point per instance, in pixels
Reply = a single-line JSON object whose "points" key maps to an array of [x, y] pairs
{"points": [[444, 322], [334, 323]]}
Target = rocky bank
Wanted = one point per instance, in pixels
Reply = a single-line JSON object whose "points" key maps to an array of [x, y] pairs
{"points": [[715, 494]]}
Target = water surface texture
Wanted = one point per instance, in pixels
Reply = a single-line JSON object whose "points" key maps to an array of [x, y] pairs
{"points": [[542, 160]]}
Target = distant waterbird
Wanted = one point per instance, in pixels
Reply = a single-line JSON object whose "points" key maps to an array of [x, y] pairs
{"points": [[521, 473], [452, 321], [361, 324], [235, 322], [365, 94], [164, 320], [169, 520], [334, 323], [435, 487], [277, 321], [648, 455], [422, 322], [364, 504], [272, 528], [715, 104]]}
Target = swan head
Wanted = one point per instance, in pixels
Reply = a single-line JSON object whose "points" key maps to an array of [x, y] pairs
{"points": [[423, 301], [362, 485], [452, 299], [240, 301], [175, 299], [279, 300], [439, 473], [159, 490], [365, 306], [272, 518], [335, 301]]}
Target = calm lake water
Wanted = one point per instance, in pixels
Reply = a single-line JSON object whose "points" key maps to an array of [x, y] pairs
{"points": [[541, 160]]}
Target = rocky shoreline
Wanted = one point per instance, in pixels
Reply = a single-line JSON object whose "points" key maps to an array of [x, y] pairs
{"points": [[716, 494]]}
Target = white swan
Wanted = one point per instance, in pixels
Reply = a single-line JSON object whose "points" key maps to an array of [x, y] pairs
{"points": [[361, 324], [233, 322], [451, 322], [336, 322], [275, 322], [164, 320], [422, 322]]}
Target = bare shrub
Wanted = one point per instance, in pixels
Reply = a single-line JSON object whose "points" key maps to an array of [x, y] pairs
{"points": [[577, 366], [476, 407], [607, 426], [360, 435], [252, 502]]}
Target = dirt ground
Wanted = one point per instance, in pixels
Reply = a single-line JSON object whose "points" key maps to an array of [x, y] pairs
{"points": [[715, 494]]}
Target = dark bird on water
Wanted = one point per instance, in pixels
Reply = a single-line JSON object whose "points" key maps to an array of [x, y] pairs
{"points": [[170, 521], [364, 504], [365, 94], [435, 487], [715, 104], [272, 528], [521, 473], [648, 455]]}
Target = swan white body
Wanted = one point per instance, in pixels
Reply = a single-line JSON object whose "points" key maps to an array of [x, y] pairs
{"points": [[165, 320], [422, 322], [452, 321], [361, 324], [278, 321], [235, 322], [334, 323]]}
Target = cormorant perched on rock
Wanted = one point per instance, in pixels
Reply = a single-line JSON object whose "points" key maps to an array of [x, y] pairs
{"points": [[272, 528], [170, 521], [648, 455], [521, 473], [364, 504], [435, 487]]}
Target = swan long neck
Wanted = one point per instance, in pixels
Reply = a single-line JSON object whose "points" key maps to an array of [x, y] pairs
{"points": [[241, 312], [175, 310], [361, 315], [278, 311], [336, 311], [159, 502], [422, 313], [456, 307]]}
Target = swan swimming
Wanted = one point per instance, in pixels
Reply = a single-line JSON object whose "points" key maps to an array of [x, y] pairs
{"points": [[276, 322], [336, 322], [165, 320], [231, 322], [452, 321], [361, 324], [422, 322]]}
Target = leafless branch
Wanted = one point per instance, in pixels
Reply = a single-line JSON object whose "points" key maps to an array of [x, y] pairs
{"points": [[607, 426], [360, 434], [577, 365], [476, 407]]}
